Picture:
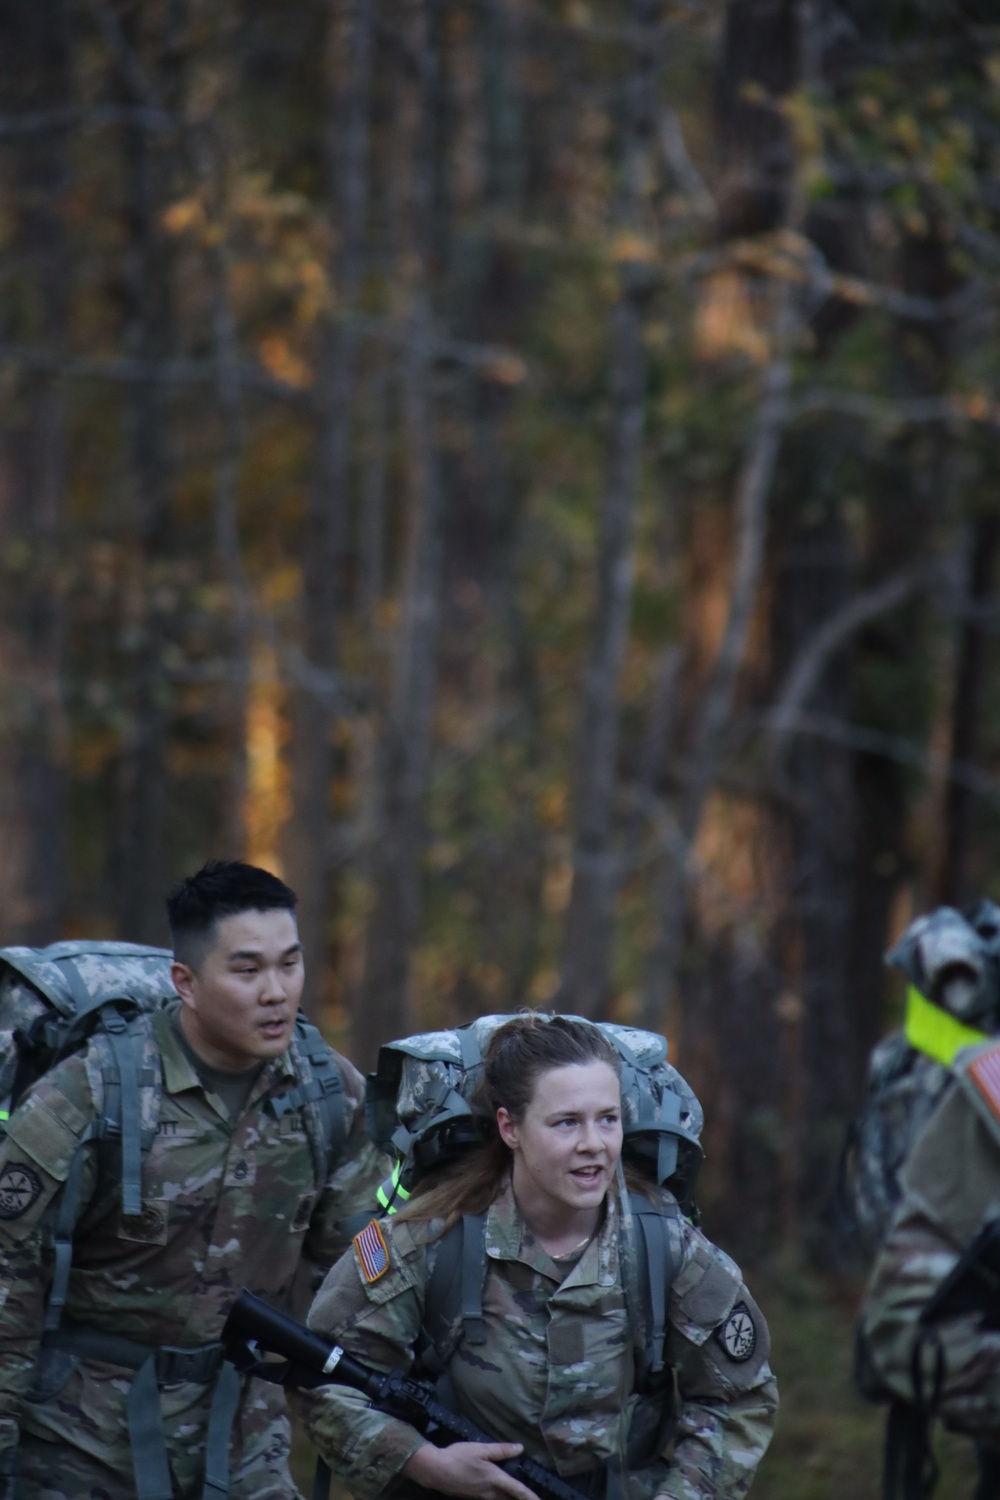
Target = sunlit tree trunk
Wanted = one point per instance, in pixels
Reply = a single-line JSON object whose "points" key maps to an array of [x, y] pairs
{"points": [[326, 529], [35, 74], [589, 940], [386, 1007], [149, 336]]}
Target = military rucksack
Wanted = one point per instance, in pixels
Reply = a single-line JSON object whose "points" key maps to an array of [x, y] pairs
{"points": [[424, 1107], [55, 1000], [953, 998]]}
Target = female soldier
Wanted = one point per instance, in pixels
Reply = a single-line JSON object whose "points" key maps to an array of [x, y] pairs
{"points": [[556, 1371]]}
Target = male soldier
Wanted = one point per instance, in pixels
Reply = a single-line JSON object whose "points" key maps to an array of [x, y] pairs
{"points": [[249, 1171], [947, 1366]]}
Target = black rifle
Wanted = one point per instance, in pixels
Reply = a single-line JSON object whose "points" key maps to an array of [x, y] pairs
{"points": [[253, 1328], [973, 1284]]}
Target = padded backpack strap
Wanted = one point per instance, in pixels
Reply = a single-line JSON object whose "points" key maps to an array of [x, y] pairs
{"points": [[125, 1047], [656, 1266], [319, 1093], [455, 1289], [64, 1229]]}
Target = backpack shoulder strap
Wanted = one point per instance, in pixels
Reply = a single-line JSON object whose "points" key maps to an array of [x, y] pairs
{"points": [[319, 1093], [653, 1250], [453, 1298], [127, 1080]]}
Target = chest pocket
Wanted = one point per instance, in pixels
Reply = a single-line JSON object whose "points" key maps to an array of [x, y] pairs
{"points": [[150, 1228], [176, 1171]]}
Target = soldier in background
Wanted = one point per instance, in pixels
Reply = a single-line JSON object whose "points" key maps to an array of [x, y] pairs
{"points": [[130, 1396], [945, 1366]]}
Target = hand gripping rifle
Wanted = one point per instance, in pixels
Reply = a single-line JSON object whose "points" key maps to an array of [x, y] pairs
{"points": [[253, 1329]]}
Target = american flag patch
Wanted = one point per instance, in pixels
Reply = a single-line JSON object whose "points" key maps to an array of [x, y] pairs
{"points": [[985, 1074], [372, 1252]]}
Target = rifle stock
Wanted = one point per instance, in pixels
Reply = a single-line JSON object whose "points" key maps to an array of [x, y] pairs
{"points": [[253, 1328], [973, 1284]]}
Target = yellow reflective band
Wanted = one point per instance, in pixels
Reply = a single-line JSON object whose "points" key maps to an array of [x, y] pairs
{"points": [[4, 1114], [392, 1189], [936, 1032]]}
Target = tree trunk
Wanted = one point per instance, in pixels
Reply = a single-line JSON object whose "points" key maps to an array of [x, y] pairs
{"points": [[752, 493], [386, 1009], [589, 940], [953, 883], [36, 74], [148, 336], [326, 529]]}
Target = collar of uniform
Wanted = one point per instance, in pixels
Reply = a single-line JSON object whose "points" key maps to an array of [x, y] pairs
{"points": [[178, 1074], [507, 1238]]}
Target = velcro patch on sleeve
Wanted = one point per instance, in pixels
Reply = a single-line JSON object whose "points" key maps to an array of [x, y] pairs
{"points": [[985, 1074], [372, 1252], [738, 1335]]}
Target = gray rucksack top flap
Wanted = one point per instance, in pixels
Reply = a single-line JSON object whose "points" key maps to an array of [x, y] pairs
{"points": [[422, 1107], [79, 977]]}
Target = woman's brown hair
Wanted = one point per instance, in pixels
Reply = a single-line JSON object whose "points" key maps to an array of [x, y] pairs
{"points": [[517, 1054]]}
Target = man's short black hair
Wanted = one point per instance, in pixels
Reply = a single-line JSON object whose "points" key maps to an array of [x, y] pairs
{"points": [[222, 888]]}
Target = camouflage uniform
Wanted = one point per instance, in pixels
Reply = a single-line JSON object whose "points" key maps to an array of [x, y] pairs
{"points": [[557, 1369], [225, 1205], [951, 1188], [904, 1089]]}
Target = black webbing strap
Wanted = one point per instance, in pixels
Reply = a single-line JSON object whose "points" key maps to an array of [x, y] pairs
{"points": [[988, 1460], [909, 1470], [455, 1288], [321, 1480], [473, 1272]]}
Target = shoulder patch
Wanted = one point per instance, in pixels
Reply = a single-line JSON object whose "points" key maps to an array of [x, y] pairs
{"points": [[372, 1252], [985, 1074], [738, 1335], [20, 1185]]}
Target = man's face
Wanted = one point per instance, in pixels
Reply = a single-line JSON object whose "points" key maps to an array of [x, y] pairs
{"points": [[241, 1001]]}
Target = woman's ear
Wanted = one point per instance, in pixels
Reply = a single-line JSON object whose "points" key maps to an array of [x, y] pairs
{"points": [[507, 1128]]}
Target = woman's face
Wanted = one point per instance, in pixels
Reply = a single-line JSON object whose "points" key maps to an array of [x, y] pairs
{"points": [[567, 1143]]}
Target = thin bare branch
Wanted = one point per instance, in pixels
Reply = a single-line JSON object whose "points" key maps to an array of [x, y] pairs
{"points": [[76, 117], [808, 666]]}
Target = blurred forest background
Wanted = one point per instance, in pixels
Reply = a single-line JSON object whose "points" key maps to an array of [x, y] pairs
{"points": [[525, 470]]}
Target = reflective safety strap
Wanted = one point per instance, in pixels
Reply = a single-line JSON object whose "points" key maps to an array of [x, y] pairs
{"points": [[391, 1190], [225, 1399], [936, 1032], [145, 1430]]}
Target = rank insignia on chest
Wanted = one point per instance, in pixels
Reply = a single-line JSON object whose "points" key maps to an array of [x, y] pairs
{"points": [[985, 1074], [372, 1252]]}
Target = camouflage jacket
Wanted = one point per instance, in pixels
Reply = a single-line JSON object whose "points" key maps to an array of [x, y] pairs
{"points": [[951, 1188], [904, 1088], [557, 1369], [224, 1206]]}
